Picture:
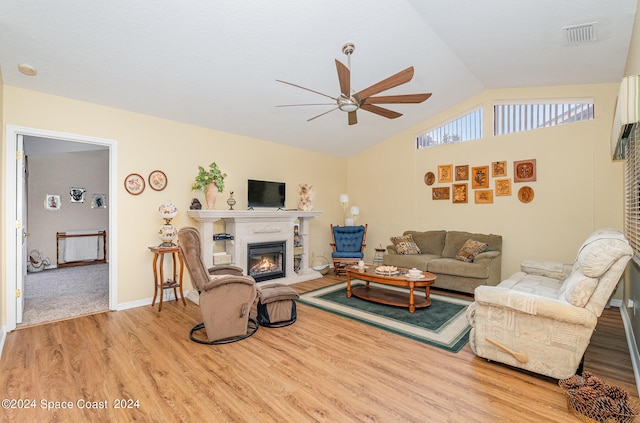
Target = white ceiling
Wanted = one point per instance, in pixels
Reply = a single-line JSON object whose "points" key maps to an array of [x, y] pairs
{"points": [[214, 63]]}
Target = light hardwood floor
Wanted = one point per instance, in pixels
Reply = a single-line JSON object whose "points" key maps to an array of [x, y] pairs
{"points": [[323, 368]]}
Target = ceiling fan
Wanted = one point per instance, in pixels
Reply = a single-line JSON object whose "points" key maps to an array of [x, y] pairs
{"points": [[350, 102]]}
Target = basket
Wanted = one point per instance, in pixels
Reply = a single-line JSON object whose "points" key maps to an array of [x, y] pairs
{"points": [[320, 264], [593, 401]]}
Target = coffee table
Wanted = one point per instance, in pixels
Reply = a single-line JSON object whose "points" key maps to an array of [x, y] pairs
{"points": [[383, 295]]}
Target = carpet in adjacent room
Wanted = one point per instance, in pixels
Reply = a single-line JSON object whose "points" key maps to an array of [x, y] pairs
{"points": [[64, 293]]}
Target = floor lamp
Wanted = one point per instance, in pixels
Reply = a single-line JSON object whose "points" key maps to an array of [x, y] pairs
{"points": [[344, 199]]}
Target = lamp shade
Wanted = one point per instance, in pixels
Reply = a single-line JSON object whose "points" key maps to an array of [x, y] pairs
{"points": [[355, 210], [168, 210], [344, 198]]}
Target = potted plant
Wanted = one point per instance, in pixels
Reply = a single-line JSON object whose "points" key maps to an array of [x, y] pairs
{"points": [[210, 182]]}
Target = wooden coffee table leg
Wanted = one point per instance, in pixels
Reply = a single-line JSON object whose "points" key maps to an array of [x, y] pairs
{"points": [[428, 295], [348, 285], [412, 300]]}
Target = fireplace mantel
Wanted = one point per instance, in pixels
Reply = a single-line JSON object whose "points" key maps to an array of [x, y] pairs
{"points": [[249, 226]]}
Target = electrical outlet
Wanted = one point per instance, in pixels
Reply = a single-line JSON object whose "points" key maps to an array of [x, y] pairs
{"points": [[630, 303]]}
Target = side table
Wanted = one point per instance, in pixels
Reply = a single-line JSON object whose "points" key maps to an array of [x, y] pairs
{"points": [[160, 284], [377, 258]]}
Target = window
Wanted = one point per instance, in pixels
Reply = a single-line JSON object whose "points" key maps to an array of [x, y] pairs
{"points": [[510, 118], [632, 190], [465, 128]]}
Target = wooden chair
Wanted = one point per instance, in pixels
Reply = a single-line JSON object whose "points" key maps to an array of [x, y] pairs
{"points": [[348, 244]]}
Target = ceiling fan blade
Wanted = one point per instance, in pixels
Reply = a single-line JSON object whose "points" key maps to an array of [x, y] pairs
{"points": [[307, 104], [353, 118], [392, 99], [344, 77], [308, 89], [399, 78], [380, 111], [322, 114]]}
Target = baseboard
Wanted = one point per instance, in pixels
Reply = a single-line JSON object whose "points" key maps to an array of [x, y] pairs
{"points": [[633, 347], [189, 295], [3, 338], [193, 296]]}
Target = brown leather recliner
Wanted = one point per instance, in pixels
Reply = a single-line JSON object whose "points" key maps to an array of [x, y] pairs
{"points": [[225, 299]]}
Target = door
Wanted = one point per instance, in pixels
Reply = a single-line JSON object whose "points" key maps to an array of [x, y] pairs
{"points": [[15, 216], [21, 229]]}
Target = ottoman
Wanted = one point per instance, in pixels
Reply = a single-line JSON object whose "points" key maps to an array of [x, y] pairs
{"points": [[276, 305]]}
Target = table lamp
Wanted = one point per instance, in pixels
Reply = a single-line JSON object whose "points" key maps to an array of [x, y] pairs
{"points": [[167, 232]]}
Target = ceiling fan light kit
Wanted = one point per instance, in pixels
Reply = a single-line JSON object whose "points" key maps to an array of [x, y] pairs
{"points": [[350, 103]]}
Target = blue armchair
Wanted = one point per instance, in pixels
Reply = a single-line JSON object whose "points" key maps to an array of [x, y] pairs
{"points": [[348, 244]]}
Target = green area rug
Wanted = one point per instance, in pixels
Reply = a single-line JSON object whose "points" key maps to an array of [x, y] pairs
{"points": [[443, 324]]}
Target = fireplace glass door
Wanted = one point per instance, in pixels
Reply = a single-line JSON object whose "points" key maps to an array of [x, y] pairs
{"points": [[266, 260]]}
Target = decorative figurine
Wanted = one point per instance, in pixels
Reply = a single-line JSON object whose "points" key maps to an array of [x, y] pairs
{"points": [[195, 204], [231, 201], [305, 203]]}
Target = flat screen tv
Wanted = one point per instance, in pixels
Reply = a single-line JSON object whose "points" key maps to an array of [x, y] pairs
{"points": [[265, 194]]}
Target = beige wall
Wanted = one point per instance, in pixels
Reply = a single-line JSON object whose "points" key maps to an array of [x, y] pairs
{"points": [[55, 174], [146, 143], [578, 187]]}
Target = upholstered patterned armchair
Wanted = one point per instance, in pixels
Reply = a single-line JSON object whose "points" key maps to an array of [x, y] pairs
{"points": [[348, 244], [541, 319]]}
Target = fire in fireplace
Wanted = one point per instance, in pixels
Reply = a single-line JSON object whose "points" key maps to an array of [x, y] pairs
{"points": [[266, 260]]}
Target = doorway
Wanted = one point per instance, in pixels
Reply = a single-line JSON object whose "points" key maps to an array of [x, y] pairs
{"points": [[17, 225]]}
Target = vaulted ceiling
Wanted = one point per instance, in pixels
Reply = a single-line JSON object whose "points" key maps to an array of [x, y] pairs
{"points": [[214, 63]]}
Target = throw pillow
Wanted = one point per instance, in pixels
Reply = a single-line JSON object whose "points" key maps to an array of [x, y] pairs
{"points": [[578, 288], [405, 245], [470, 250]]}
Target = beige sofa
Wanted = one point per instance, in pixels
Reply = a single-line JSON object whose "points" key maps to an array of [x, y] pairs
{"points": [[438, 252], [541, 319]]}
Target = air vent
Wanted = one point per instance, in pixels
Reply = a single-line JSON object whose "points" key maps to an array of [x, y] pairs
{"points": [[580, 34]]}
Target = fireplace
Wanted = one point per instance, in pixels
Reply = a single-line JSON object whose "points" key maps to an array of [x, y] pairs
{"points": [[266, 260]]}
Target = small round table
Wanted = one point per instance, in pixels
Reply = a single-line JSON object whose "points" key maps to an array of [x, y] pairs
{"points": [[377, 258], [160, 284]]}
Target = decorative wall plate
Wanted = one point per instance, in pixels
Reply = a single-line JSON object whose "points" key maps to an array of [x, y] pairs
{"points": [[524, 170], [157, 180], [440, 193], [429, 178], [445, 173], [525, 194], [134, 184], [462, 173]]}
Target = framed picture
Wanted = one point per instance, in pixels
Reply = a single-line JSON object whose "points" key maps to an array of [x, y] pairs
{"points": [[441, 193], [524, 170], [503, 187], [499, 169], [460, 193], [99, 201], [134, 184], [77, 195], [484, 196], [462, 173], [445, 173], [157, 180], [52, 202], [480, 177]]}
